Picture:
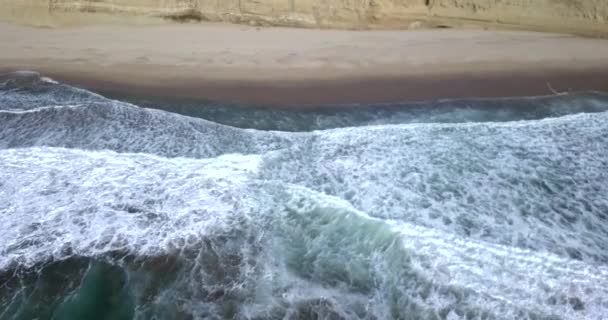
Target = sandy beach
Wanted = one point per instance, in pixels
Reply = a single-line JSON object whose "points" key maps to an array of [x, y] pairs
{"points": [[282, 65]]}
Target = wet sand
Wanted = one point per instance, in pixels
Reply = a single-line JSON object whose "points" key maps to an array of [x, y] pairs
{"points": [[302, 66]]}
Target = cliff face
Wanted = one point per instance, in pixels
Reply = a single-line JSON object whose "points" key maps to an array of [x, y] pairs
{"points": [[579, 16], [306, 13]]}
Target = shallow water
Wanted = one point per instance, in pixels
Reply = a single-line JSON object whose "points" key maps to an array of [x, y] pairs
{"points": [[477, 209], [321, 117]]}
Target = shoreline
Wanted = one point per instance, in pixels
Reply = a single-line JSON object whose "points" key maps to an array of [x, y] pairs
{"points": [[351, 90], [282, 66]]}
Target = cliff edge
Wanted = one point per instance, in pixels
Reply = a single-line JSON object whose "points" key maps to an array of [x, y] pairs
{"points": [[585, 17]]}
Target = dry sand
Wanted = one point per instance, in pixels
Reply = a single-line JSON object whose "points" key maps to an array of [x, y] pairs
{"points": [[279, 65]]}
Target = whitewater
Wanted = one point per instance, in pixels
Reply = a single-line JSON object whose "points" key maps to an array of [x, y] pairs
{"points": [[468, 209]]}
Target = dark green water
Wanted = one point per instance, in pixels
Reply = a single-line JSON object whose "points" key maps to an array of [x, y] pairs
{"points": [[66, 290]]}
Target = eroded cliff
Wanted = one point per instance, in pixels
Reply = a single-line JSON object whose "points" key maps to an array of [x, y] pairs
{"points": [[576, 16]]}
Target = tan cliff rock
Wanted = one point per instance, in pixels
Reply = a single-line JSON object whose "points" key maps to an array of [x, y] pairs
{"points": [[588, 17]]}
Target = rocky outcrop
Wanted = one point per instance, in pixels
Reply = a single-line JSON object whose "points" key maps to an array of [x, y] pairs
{"points": [[577, 16]]}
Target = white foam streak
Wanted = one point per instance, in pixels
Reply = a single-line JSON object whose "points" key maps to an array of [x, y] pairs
{"points": [[39, 109], [58, 203], [516, 277]]}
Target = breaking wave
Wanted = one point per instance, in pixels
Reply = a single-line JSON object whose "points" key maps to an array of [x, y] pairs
{"points": [[113, 211]]}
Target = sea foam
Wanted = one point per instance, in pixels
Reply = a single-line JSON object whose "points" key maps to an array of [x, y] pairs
{"points": [[483, 220]]}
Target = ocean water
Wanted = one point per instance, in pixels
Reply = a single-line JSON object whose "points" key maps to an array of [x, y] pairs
{"points": [[469, 209]]}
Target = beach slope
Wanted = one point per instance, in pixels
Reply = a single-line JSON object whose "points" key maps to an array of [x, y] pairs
{"points": [[306, 66]]}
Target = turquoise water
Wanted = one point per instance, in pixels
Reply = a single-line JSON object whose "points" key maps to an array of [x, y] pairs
{"points": [[175, 209]]}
